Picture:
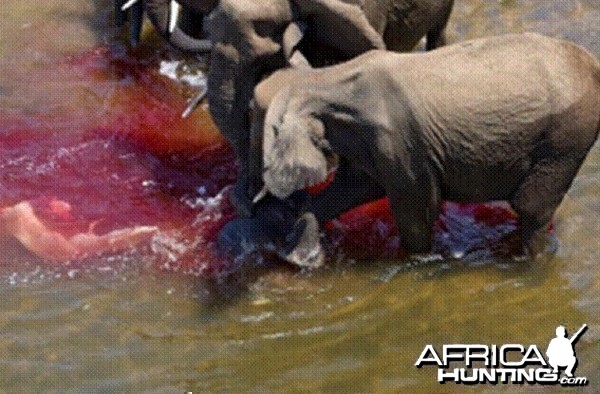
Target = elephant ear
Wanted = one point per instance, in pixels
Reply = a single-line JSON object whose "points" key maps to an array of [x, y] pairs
{"points": [[342, 25]]}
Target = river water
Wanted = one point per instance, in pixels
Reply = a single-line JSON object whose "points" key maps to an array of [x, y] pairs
{"points": [[84, 120]]}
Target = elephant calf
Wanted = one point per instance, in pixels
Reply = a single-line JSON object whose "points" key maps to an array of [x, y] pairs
{"points": [[502, 118]]}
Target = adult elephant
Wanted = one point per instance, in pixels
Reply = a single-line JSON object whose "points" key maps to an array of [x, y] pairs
{"points": [[178, 22], [251, 39], [475, 139]]}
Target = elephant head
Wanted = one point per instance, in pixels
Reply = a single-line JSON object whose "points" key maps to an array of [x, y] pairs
{"points": [[251, 39], [296, 153], [164, 16]]}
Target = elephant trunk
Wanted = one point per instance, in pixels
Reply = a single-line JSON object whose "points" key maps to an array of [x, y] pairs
{"points": [[163, 17], [226, 105]]}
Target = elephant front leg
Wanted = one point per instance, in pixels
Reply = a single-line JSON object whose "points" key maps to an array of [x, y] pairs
{"points": [[415, 205], [415, 214]]}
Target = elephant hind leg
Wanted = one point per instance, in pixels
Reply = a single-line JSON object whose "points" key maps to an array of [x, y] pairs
{"points": [[538, 197]]}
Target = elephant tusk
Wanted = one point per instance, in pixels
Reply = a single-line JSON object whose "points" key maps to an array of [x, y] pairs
{"points": [[297, 60], [175, 7], [128, 4], [292, 36], [194, 103], [261, 194]]}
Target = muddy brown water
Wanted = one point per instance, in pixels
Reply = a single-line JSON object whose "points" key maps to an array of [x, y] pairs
{"points": [[355, 327]]}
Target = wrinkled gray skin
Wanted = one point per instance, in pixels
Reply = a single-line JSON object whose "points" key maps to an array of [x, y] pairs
{"points": [[503, 118], [190, 19], [253, 38]]}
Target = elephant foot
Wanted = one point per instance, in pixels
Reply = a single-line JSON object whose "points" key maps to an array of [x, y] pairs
{"points": [[303, 246], [542, 246]]}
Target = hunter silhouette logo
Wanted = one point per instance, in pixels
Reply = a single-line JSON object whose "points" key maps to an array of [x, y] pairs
{"points": [[510, 363], [561, 352]]}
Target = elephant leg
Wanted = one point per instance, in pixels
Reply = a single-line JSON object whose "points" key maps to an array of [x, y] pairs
{"points": [[415, 214], [350, 188], [436, 38], [538, 197], [415, 204]]}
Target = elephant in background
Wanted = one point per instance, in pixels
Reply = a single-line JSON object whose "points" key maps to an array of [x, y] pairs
{"points": [[252, 39], [179, 22], [501, 118]]}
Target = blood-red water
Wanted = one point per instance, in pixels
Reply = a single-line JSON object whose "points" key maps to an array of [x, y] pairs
{"points": [[132, 160]]}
